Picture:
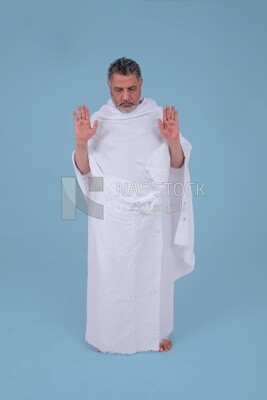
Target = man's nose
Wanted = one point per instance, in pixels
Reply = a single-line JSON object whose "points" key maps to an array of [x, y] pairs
{"points": [[125, 95]]}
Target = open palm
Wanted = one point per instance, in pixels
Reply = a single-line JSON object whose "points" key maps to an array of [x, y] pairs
{"points": [[83, 129], [169, 127]]}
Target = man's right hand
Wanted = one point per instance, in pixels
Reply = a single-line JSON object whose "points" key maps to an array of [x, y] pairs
{"points": [[83, 129]]}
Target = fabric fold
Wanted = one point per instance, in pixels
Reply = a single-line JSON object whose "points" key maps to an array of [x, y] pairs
{"points": [[179, 205]]}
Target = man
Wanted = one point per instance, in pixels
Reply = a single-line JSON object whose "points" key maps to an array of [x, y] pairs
{"points": [[145, 240]]}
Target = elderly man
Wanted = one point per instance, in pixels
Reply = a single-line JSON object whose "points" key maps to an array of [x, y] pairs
{"points": [[145, 240]]}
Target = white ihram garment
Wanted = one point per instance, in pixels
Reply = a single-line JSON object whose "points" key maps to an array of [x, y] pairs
{"points": [[135, 254]]}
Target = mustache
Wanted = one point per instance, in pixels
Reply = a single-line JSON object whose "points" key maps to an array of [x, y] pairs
{"points": [[126, 102]]}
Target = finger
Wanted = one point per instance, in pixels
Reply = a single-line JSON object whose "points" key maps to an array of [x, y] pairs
{"points": [[76, 119], [83, 116], [164, 114], [87, 116], [172, 112], [168, 113], [75, 116], [95, 126], [176, 115], [79, 112]]}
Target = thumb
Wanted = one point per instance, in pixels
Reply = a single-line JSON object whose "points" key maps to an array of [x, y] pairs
{"points": [[160, 124], [95, 125]]}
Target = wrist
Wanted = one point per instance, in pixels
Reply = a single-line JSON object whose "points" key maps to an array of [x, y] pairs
{"points": [[174, 143], [81, 145]]}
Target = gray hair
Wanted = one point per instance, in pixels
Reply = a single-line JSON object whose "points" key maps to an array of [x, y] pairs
{"points": [[124, 66]]}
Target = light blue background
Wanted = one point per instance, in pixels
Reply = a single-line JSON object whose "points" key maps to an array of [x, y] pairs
{"points": [[209, 59]]}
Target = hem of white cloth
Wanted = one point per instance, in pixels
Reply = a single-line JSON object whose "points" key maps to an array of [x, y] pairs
{"points": [[96, 349]]}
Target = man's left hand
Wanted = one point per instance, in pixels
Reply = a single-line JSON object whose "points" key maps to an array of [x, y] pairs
{"points": [[169, 127]]}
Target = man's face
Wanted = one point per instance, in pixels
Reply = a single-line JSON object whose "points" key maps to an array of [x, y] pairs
{"points": [[125, 91]]}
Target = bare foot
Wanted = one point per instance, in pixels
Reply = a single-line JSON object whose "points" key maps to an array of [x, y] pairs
{"points": [[165, 345]]}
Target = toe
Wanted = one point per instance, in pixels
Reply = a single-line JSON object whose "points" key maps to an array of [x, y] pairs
{"points": [[161, 345], [165, 345]]}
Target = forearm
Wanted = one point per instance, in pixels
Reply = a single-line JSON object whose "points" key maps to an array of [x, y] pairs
{"points": [[176, 154], [81, 158]]}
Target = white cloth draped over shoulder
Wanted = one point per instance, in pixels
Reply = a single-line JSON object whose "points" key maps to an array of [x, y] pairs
{"points": [[145, 240]]}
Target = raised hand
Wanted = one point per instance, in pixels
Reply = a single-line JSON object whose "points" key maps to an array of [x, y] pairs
{"points": [[83, 129], [169, 127]]}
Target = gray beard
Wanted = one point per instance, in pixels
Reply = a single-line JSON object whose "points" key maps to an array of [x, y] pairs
{"points": [[124, 110]]}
